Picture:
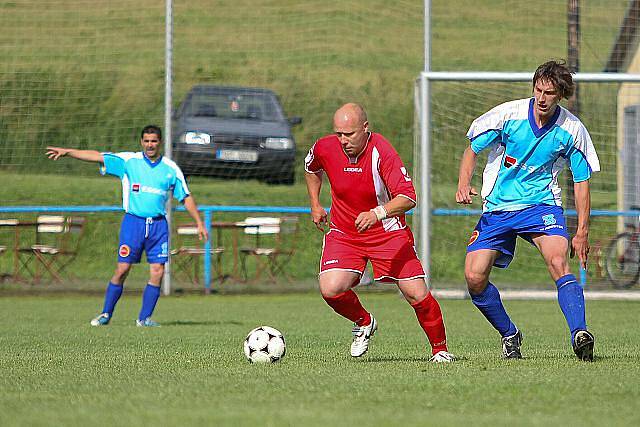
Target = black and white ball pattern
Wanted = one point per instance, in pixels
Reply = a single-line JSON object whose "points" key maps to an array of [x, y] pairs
{"points": [[264, 344]]}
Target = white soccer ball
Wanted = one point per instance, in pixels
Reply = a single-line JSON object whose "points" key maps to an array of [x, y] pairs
{"points": [[264, 345]]}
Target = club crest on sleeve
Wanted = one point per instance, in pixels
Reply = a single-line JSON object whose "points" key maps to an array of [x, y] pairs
{"points": [[474, 237], [124, 251]]}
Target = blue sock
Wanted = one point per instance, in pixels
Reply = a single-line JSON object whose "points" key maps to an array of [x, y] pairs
{"points": [[571, 300], [111, 297], [149, 299], [489, 303]]}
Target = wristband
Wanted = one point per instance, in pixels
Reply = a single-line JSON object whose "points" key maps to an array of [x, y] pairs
{"points": [[380, 211]]}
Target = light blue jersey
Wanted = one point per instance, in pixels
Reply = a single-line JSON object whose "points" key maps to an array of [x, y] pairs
{"points": [[525, 161], [146, 185]]}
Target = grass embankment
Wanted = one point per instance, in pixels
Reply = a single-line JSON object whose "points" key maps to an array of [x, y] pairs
{"points": [[91, 77]]}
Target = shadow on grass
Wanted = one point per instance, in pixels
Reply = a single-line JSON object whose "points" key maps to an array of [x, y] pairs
{"points": [[394, 359], [201, 323]]}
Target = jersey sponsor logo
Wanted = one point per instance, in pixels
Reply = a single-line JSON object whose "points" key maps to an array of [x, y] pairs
{"points": [[331, 261], [137, 188], [509, 161], [513, 162], [124, 251], [474, 237], [355, 170]]}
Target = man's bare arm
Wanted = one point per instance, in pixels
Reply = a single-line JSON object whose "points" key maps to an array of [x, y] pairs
{"points": [[192, 208], [465, 192], [55, 153], [314, 185], [580, 242]]}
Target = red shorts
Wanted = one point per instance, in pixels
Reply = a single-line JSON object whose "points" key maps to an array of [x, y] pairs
{"points": [[392, 255]]}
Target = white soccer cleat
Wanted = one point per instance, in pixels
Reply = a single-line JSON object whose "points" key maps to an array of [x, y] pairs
{"points": [[147, 323], [361, 337], [102, 320], [442, 357]]}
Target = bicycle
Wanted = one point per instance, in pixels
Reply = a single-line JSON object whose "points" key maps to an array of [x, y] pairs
{"points": [[622, 262]]}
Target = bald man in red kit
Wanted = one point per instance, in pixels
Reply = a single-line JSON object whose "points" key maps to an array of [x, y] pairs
{"points": [[370, 193]]}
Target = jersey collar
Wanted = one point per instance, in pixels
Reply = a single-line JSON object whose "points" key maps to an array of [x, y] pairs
{"points": [[538, 132], [354, 160], [150, 162]]}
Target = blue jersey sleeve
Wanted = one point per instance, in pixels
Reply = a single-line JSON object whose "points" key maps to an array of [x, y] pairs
{"points": [[487, 129], [114, 164], [580, 168], [581, 155], [484, 140], [180, 188]]}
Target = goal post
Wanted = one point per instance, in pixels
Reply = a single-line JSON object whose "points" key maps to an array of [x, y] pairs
{"points": [[447, 103]]}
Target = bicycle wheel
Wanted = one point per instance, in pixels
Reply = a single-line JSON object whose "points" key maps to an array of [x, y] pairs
{"points": [[623, 260]]}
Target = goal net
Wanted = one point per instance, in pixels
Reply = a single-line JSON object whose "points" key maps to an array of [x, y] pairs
{"points": [[609, 110]]}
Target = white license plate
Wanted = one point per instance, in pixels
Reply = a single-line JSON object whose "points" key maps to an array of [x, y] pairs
{"points": [[237, 155]]}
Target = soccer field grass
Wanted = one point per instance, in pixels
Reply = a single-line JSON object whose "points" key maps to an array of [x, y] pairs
{"points": [[57, 370]]}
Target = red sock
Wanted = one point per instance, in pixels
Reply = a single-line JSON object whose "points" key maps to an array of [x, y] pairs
{"points": [[430, 318], [348, 305]]}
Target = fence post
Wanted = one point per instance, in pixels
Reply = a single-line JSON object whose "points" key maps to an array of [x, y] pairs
{"points": [[207, 253]]}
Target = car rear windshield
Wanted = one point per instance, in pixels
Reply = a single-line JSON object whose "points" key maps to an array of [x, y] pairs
{"points": [[252, 106]]}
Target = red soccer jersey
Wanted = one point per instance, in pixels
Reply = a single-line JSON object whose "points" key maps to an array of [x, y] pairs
{"points": [[360, 184]]}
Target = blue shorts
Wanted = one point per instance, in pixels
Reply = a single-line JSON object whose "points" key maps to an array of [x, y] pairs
{"points": [[148, 234], [499, 230]]}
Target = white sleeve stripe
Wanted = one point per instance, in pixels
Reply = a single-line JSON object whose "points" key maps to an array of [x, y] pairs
{"points": [[407, 197], [310, 171]]}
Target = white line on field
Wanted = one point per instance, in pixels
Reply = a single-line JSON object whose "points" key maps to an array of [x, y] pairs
{"points": [[543, 295]]}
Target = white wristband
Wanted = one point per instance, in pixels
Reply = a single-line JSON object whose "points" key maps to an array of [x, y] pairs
{"points": [[380, 211]]}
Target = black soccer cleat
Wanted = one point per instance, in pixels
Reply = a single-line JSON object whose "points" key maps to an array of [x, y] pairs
{"points": [[583, 345], [511, 346]]}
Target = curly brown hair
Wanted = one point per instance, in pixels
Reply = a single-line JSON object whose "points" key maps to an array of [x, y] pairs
{"points": [[558, 74]]}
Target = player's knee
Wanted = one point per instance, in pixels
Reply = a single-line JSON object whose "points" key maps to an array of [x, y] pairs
{"points": [[558, 265], [476, 280], [330, 288], [415, 297], [121, 273], [156, 271], [331, 291]]}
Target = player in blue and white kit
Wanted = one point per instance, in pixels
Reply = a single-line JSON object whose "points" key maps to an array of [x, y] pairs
{"points": [[530, 141], [148, 180]]}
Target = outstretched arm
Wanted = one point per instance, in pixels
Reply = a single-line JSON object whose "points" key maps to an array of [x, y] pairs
{"points": [[318, 213], [580, 242], [86, 155], [465, 192], [192, 208]]}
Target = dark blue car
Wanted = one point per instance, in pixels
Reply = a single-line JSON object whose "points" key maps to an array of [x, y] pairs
{"points": [[234, 132]]}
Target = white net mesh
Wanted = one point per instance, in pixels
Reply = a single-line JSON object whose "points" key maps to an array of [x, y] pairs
{"points": [[90, 74], [608, 110]]}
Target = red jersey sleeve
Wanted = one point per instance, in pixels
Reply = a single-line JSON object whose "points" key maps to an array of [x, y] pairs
{"points": [[394, 173], [313, 163]]}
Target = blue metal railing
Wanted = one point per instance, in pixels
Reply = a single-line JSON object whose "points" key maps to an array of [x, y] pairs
{"points": [[208, 211]]}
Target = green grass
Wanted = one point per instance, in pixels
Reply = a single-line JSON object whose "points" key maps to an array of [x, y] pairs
{"points": [[56, 370], [92, 77]]}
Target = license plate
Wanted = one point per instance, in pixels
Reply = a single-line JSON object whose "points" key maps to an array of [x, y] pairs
{"points": [[237, 155]]}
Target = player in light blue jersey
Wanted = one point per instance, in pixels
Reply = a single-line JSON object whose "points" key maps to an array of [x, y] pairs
{"points": [[148, 180], [530, 141]]}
